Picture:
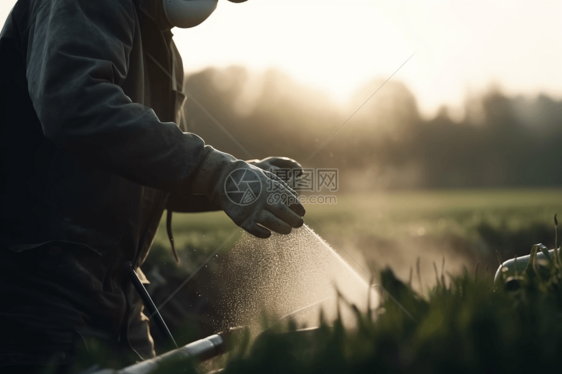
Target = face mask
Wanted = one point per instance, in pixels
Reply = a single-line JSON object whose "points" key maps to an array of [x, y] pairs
{"points": [[188, 13]]}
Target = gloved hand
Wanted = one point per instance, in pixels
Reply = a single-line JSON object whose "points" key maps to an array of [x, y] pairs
{"points": [[276, 163], [249, 195]]}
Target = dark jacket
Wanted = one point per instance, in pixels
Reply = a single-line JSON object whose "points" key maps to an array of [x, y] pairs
{"points": [[90, 151]]}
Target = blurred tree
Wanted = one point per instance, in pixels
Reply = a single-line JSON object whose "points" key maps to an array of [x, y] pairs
{"points": [[502, 142]]}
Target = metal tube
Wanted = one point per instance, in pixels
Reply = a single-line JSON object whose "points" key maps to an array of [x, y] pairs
{"points": [[202, 350]]}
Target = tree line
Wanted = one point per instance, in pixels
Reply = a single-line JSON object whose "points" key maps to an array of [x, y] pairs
{"points": [[502, 141]]}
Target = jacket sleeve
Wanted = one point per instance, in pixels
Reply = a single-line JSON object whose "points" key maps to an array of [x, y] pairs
{"points": [[191, 204], [78, 56]]}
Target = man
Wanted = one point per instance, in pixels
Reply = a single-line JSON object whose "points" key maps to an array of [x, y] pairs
{"points": [[91, 155]]}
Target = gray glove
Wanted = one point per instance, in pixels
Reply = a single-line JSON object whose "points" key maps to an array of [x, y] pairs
{"points": [[274, 164], [249, 195]]}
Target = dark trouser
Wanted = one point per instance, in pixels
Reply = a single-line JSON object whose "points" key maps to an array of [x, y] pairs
{"points": [[56, 300]]}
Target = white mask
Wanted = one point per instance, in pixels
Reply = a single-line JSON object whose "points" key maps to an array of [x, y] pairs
{"points": [[188, 13]]}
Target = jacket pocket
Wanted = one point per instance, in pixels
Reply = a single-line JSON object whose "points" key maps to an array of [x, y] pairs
{"points": [[73, 266]]}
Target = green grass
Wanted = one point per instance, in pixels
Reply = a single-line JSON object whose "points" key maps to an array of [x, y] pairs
{"points": [[438, 212], [394, 229], [465, 325], [462, 322]]}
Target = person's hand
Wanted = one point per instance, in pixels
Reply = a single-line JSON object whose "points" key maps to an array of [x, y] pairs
{"points": [[255, 199], [275, 164]]}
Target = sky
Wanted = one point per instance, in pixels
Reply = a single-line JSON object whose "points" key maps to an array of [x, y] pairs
{"points": [[460, 47]]}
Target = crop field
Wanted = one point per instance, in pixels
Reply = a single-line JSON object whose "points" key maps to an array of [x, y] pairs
{"points": [[458, 320], [464, 227]]}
